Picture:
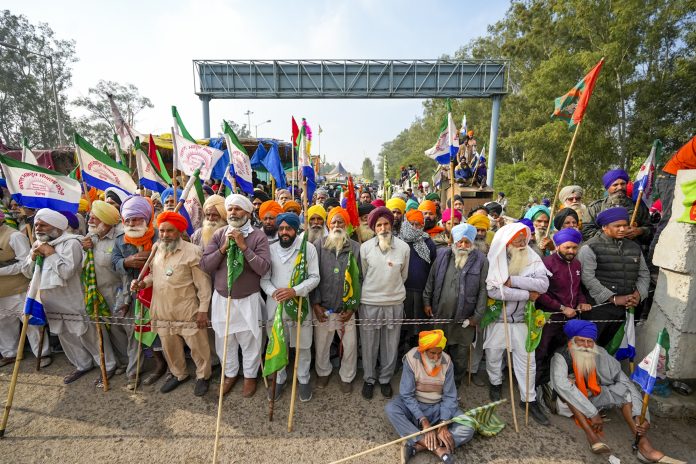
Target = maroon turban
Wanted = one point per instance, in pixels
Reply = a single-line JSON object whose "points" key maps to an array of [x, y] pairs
{"points": [[377, 213]]}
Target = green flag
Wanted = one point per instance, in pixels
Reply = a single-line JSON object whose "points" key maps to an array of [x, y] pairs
{"points": [[92, 296], [143, 327], [235, 263], [536, 320], [299, 274], [276, 351], [351, 287], [492, 314], [180, 124]]}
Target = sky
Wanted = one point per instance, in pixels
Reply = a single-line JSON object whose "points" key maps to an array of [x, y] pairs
{"points": [[152, 43]]}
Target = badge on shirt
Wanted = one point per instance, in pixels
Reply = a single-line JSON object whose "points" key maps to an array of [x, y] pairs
{"points": [[169, 272], [336, 270]]}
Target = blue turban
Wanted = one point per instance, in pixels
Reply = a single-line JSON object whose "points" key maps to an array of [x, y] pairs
{"points": [[528, 223], [618, 213], [292, 219], [534, 211], [580, 328], [169, 192], [612, 176], [73, 222], [567, 235], [463, 230]]}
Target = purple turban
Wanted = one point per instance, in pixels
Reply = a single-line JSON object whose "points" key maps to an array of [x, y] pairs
{"points": [[606, 217], [567, 235], [291, 219], [73, 222], [580, 328], [136, 206], [377, 213], [447, 215], [612, 175], [528, 223]]}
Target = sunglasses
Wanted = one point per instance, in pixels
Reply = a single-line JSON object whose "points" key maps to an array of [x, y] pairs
{"points": [[573, 198]]}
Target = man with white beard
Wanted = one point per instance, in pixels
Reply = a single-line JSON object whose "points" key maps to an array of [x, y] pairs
{"points": [[516, 275], [214, 215], [364, 233], [246, 303], [540, 216], [333, 255], [128, 257], [456, 289], [101, 239], [62, 292], [571, 197], [316, 215], [384, 262], [587, 379]]}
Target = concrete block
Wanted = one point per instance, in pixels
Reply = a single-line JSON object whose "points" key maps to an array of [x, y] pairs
{"points": [[674, 406], [682, 345], [676, 296]]}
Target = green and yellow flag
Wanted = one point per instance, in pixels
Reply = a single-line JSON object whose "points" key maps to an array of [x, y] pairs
{"points": [[495, 309], [536, 320], [299, 274], [92, 295], [276, 351], [352, 287]]}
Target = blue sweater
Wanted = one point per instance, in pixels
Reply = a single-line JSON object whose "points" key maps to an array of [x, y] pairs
{"points": [[418, 268]]}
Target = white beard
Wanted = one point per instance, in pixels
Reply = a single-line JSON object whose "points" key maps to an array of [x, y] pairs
{"points": [[335, 240], [169, 247], [460, 256], [134, 231], [518, 259], [430, 365], [315, 233], [208, 229], [539, 235], [365, 232], [584, 358], [481, 245], [236, 223], [385, 241]]}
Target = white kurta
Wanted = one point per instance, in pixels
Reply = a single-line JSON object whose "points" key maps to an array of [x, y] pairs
{"points": [[11, 306]]}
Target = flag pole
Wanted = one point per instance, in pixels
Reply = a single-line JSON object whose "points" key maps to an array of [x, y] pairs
{"points": [[43, 327], [140, 345], [15, 374], [636, 207], [299, 326], [526, 395], [222, 371], [560, 179], [175, 156], [509, 363], [451, 181], [641, 419]]}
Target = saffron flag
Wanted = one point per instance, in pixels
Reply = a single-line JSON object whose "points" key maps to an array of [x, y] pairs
{"points": [[99, 170], [299, 274], [352, 287], [33, 306], [240, 166], [623, 344], [37, 187], [191, 156], [28, 155], [276, 351], [295, 132], [642, 186], [447, 145], [654, 365], [571, 107], [149, 176]]}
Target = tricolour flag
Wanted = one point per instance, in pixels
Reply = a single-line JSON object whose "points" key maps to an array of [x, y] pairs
{"points": [[191, 156], [303, 163], [28, 156], [447, 145], [149, 176], [276, 352], [352, 288], [126, 134], [99, 170], [33, 306], [642, 186], [623, 344], [37, 187], [571, 106], [179, 124], [654, 365], [240, 166], [463, 130]]}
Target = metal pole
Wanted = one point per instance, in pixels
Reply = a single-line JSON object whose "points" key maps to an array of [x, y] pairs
{"points": [[493, 141], [205, 101]]}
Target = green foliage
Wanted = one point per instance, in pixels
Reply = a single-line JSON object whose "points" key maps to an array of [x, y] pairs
{"points": [[368, 170]]}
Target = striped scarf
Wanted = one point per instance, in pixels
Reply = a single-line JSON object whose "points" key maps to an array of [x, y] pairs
{"points": [[92, 295]]}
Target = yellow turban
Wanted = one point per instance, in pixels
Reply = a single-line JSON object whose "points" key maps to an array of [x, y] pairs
{"points": [[316, 210], [106, 213], [431, 339], [480, 221], [396, 203], [428, 205], [84, 206], [218, 202]]}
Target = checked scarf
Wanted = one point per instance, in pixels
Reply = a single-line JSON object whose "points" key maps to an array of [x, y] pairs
{"points": [[92, 295]]}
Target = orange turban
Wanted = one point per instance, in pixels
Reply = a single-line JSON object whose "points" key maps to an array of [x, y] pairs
{"points": [[428, 205], [338, 210], [431, 339], [480, 221], [291, 206], [270, 206], [175, 219], [520, 233], [415, 215]]}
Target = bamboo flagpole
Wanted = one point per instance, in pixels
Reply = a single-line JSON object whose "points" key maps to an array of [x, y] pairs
{"points": [[452, 184], [526, 395], [560, 179], [141, 276], [509, 363], [175, 158], [222, 370], [636, 207]]}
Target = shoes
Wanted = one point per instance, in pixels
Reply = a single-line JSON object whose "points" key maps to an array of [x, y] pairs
{"points": [[159, 370], [478, 379], [278, 391], [407, 451], [368, 390], [323, 381], [201, 387], [448, 458], [346, 387], [305, 392], [74, 375], [171, 383], [249, 387], [120, 370], [228, 384], [99, 382], [7, 361], [536, 412], [495, 392], [386, 390]]}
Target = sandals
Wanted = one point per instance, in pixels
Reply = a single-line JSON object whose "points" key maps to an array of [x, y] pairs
{"points": [[600, 448], [99, 382], [74, 375], [664, 459]]}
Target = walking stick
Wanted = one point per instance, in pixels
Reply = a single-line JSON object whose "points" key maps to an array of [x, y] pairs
{"points": [[470, 362], [509, 363], [297, 361], [222, 378], [526, 399], [41, 342], [272, 404], [139, 327], [15, 374], [102, 361], [560, 179]]}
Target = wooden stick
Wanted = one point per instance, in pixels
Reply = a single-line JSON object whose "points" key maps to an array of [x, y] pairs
{"points": [[140, 343], [15, 374], [41, 342], [641, 419], [470, 362], [452, 183], [175, 156], [509, 363], [102, 361], [272, 403], [560, 179], [222, 379], [636, 207], [526, 399]]}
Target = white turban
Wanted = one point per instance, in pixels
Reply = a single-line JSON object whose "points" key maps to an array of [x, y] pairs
{"points": [[53, 218], [239, 200]]}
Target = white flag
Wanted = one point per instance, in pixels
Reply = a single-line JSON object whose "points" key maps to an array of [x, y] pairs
{"points": [[191, 156]]}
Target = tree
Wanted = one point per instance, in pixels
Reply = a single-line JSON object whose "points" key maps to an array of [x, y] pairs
{"points": [[368, 170], [97, 125], [242, 131], [27, 104]]}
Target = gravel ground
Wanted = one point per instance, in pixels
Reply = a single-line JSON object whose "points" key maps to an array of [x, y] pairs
{"points": [[51, 422]]}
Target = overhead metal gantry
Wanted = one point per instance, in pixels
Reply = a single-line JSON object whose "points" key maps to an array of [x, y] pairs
{"points": [[301, 79]]}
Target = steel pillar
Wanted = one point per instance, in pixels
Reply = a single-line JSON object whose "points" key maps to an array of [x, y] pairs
{"points": [[493, 142], [205, 101]]}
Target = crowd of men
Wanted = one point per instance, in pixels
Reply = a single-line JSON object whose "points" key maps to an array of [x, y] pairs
{"points": [[473, 272]]}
